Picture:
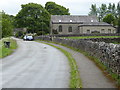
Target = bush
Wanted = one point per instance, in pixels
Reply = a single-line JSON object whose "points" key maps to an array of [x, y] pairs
{"points": [[19, 34], [40, 33]]}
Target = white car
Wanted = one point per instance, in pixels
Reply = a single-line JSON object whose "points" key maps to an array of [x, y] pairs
{"points": [[29, 37]]}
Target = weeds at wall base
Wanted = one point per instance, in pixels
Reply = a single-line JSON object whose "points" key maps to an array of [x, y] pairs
{"points": [[112, 76], [108, 73]]}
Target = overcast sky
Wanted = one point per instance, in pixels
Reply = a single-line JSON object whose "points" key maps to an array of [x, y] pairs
{"points": [[76, 7]]}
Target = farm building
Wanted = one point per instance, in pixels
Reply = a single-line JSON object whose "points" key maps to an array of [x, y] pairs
{"points": [[72, 24]]}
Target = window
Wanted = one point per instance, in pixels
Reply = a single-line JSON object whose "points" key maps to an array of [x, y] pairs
{"points": [[102, 30], [113, 31], [60, 28], [88, 31], [95, 32], [109, 30], [70, 29]]}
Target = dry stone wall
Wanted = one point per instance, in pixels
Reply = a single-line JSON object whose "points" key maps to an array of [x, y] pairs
{"points": [[91, 34], [107, 40], [107, 53]]}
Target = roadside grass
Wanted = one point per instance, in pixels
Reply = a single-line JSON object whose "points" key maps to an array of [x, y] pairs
{"points": [[105, 70], [75, 81], [115, 42], [86, 37], [7, 51]]}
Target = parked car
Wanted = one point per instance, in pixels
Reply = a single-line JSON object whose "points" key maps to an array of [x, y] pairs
{"points": [[29, 38]]}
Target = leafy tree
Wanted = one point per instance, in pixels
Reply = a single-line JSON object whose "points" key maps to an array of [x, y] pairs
{"points": [[118, 14], [118, 9], [113, 9], [93, 11], [102, 11], [19, 34], [55, 9], [109, 18], [40, 33], [110, 8], [118, 30], [7, 27], [33, 17], [0, 25], [12, 19]]}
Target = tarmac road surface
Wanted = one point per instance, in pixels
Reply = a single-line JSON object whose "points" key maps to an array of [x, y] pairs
{"points": [[35, 65]]}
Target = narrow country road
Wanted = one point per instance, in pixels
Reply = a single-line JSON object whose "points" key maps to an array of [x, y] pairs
{"points": [[35, 65], [90, 74]]}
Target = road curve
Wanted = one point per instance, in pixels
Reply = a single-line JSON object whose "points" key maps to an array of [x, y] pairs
{"points": [[90, 74], [35, 65]]}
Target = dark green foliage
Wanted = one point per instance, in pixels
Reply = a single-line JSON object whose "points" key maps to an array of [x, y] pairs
{"points": [[102, 11], [0, 25], [55, 9], [119, 21], [118, 9], [7, 27], [12, 19], [55, 32], [19, 34], [33, 17], [109, 14], [109, 18], [40, 33], [110, 7], [94, 10], [36, 18], [118, 30]]}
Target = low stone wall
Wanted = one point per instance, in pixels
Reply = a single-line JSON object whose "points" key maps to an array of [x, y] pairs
{"points": [[107, 40], [107, 53], [73, 35]]}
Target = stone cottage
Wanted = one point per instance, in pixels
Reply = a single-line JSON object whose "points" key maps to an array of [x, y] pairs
{"points": [[72, 24]]}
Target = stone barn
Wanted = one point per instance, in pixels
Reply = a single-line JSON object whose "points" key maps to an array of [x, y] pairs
{"points": [[73, 24]]}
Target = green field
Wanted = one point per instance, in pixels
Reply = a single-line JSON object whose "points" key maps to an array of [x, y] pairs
{"points": [[7, 51], [85, 37]]}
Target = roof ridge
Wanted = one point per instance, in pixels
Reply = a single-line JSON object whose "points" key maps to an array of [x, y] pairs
{"points": [[75, 18], [74, 15]]}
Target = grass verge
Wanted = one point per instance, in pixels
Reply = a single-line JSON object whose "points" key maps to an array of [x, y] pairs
{"points": [[115, 42], [75, 81], [7, 51], [108, 73], [86, 37]]}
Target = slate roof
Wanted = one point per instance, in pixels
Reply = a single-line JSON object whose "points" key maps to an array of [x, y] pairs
{"points": [[72, 19], [95, 24]]}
